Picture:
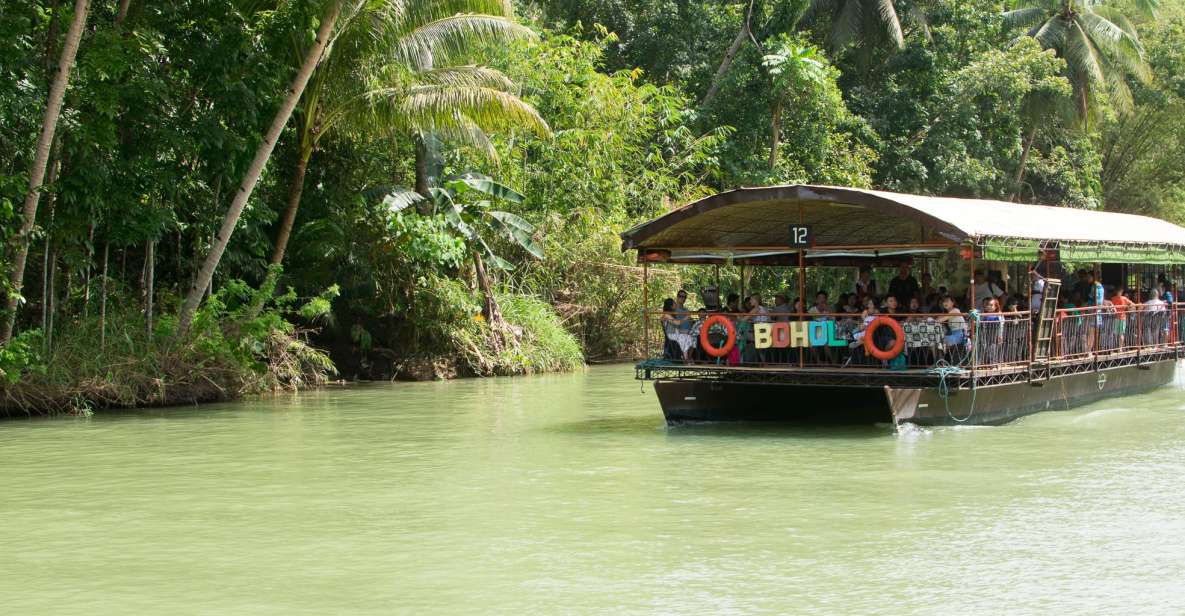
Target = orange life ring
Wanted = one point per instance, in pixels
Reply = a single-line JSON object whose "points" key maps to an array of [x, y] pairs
{"points": [[706, 344], [898, 345]]}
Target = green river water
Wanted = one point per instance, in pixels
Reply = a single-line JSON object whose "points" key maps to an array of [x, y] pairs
{"points": [[568, 494]]}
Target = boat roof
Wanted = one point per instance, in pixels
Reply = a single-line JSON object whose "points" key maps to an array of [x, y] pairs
{"points": [[758, 219]]}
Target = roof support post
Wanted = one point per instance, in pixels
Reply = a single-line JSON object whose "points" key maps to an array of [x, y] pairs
{"points": [[645, 310]]}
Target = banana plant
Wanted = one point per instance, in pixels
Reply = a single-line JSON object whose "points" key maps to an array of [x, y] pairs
{"points": [[467, 203]]}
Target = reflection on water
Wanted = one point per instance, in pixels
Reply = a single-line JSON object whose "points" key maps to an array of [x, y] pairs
{"points": [[568, 494]]}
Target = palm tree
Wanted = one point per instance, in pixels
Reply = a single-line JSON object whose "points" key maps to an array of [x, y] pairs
{"points": [[376, 80], [49, 123], [230, 220], [859, 21], [1099, 44]]}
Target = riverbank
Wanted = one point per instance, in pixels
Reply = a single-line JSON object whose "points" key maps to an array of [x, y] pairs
{"points": [[235, 353]]}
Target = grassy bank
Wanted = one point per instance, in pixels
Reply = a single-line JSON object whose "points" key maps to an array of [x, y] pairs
{"points": [[238, 349], [243, 342]]}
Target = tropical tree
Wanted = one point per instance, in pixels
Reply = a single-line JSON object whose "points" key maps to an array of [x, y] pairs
{"points": [[1098, 42], [49, 123], [859, 21], [466, 205], [793, 67], [395, 69], [312, 57]]}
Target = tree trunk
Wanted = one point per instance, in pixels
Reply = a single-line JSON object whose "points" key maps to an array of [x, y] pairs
{"points": [[103, 299], [149, 283], [775, 131], [86, 280], [422, 167], [51, 297], [729, 56], [489, 309], [1024, 158], [49, 124], [206, 273], [289, 216], [122, 13]]}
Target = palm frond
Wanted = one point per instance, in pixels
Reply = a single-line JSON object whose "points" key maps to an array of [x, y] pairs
{"points": [[451, 38], [890, 22], [1025, 17], [1082, 56], [491, 109], [846, 26], [1051, 34], [465, 77]]}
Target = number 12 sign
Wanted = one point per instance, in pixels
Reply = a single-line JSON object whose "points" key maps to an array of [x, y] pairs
{"points": [[801, 236]]}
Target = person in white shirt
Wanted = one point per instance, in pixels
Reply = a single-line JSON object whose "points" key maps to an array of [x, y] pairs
{"points": [[985, 289], [821, 307], [1038, 291]]}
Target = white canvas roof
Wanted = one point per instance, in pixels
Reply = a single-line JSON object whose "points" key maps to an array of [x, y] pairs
{"points": [[760, 218]]}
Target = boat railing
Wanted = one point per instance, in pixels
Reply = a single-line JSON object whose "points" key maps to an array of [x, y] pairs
{"points": [[1081, 333], [837, 340]]}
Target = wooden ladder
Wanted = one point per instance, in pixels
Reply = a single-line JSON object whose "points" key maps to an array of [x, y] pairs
{"points": [[1045, 323]]}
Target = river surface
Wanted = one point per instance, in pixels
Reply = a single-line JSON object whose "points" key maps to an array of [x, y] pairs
{"points": [[568, 494]]}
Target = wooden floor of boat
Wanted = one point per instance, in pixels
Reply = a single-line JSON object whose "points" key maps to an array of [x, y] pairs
{"points": [[979, 371]]}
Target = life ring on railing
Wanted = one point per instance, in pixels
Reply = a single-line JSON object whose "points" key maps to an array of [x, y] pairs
{"points": [[706, 344], [893, 351]]}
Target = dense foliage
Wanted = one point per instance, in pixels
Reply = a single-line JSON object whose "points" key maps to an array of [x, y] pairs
{"points": [[592, 115]]}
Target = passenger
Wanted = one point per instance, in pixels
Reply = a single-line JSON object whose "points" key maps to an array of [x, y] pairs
{"points": [[865, 285], [1156, 323], [996, 277], [890, 307], [915, 310], [904, 286], [931, 305], [984, 288], [1012, 308], [681, 313], [757, 313], [1036, 290], [799, 310], [1122, 305], [870, 313], [821, 307], [851, 305], [956, 325], [734, 304], [1165, 293], [782, 309], [676, 342]]}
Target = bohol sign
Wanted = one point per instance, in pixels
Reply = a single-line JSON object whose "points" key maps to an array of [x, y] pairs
{"points": [[796, 334]]}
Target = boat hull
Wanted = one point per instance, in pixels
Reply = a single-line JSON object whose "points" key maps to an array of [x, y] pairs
{"points": [[691, 400]]}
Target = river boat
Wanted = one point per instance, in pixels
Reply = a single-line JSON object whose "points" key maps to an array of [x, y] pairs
{"points": [[968, 367]]}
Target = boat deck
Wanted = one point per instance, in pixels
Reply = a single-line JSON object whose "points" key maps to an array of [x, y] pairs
{"points": [[873, 376]]}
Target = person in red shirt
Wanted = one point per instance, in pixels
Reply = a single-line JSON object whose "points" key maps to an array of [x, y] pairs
{"points": [[1122, 306]]}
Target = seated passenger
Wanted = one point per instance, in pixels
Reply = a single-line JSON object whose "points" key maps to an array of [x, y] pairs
{"points": [[781, 310], [850, 304], [915, 310], [1013, 307], [821, 307], [734, 304], [676, 342], [681, 313], [956, 325]]}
